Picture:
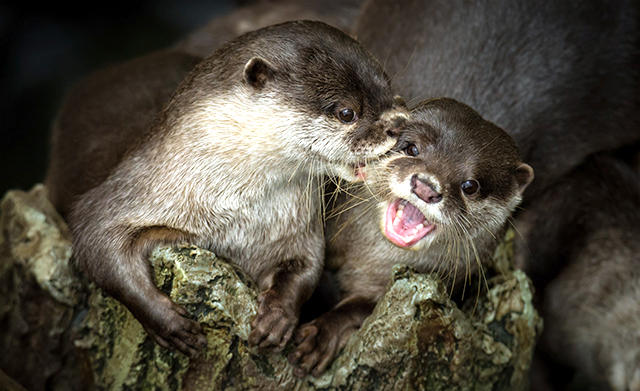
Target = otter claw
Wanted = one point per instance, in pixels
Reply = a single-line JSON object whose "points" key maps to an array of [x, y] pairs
{"points": [[316, 348], [273, 325], [172, 330]]}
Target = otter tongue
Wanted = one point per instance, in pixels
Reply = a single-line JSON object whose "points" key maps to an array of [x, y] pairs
{"points": [[410, 218], [405, 224]]}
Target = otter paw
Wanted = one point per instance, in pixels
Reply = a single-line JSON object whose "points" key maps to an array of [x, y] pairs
{"points": [[317, 346], [274, 323], [170, 328]]}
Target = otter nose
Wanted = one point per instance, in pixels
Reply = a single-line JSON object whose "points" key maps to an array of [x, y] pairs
{"points": [[395, 132], [393, 122], [424, 190]]}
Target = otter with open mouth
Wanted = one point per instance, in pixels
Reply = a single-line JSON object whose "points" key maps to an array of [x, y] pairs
{"points": [[438, 202]]}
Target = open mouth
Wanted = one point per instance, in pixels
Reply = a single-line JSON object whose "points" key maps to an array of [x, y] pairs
{"points": [[405, 225]]}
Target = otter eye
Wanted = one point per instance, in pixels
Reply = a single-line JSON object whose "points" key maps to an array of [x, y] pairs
{"points": [[347, 115], [412, 150], [470, 187]]}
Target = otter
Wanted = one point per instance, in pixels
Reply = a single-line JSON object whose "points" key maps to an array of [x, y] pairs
{"points": [[563, 79], [438, 202], [103, 115], [232, 163], [592, 307]]}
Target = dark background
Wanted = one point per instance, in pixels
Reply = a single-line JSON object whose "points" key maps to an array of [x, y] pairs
{"points": [[46, 47]]}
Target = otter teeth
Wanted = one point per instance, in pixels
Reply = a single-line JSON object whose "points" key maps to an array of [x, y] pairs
{"points": [[405, 224], [415, 230]]}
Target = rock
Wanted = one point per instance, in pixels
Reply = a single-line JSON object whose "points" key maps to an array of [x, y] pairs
{"points": [[40, 296], [416, 338]]}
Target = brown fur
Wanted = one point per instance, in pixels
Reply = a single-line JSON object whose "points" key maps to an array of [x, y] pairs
{"points": [[232, 163], [114, 107], [454, 144], [562, 78], [258, 14], [587, 228]]}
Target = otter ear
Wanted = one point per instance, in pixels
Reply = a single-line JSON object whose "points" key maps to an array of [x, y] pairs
{"points": [[524, 176], [398, 101], [257, 72]]}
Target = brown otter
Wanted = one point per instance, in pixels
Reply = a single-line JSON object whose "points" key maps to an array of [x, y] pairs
{"points": [[233, 163], [439, 202], [592, 307], [563, 78], [105, 114]]}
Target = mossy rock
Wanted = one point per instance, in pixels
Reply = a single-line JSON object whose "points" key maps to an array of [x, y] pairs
{"points": [[416, 338]]}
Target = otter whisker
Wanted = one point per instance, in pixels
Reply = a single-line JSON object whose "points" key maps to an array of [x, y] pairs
{"points": [[351, 203], [450, 243], [464, 254], [481, 274], [295, 170], [404, 69], [348, 222], [343, 210]]}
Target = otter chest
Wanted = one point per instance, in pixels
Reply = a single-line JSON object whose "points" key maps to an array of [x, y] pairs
{"points": [[284, 223]]}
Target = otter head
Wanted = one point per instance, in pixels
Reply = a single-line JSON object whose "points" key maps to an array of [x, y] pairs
{"points": [[452, 177], [315, 96]]}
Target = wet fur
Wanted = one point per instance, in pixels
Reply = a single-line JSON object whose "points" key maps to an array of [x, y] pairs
{"points": [[456, 144]]}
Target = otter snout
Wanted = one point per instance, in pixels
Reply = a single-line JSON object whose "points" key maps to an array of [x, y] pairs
{"points": [[379, 137], [425, 190]]}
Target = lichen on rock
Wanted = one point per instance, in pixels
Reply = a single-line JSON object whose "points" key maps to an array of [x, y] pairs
{"points": [[41, 298], [416, 338]]}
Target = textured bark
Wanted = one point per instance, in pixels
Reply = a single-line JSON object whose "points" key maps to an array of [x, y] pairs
{"points": [[416, 338]]}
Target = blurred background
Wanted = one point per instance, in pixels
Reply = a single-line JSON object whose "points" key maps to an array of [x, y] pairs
{"points": [[46, 47]]}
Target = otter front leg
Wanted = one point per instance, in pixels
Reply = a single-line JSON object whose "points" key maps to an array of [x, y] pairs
{"points": [[319, 341], [165, 321], [126, 275], [279, 303]]}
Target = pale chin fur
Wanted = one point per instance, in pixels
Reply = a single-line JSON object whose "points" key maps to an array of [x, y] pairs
{"points": [[319, 144], [336, 158], [347, 172]]}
